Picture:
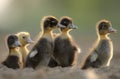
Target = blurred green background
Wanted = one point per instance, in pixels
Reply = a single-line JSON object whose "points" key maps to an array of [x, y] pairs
{"points": [[25, 15]]}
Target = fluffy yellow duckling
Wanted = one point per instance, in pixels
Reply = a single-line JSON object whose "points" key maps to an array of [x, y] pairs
{"points": [[25, 40]]}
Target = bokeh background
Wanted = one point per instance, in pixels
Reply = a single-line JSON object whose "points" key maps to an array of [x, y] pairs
{"points": [[25, 15]]}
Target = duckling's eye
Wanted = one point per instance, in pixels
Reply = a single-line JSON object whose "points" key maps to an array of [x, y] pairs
{"points": [[23, 37], [105, 26], [53, 21], [65, 22], [11, 40]]}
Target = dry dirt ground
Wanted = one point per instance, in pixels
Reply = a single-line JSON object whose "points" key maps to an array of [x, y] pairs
{"points": [[111, 72]]}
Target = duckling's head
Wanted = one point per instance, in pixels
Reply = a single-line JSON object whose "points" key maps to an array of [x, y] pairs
{"points": [[66, 24], [24, 38], [104, 27], [13, 42], [49, 23]]}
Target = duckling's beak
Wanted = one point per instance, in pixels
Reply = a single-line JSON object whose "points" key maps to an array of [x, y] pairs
{"points": [[60, 25], [29, 40], [17, 43], [72, 26], [112, 30]]}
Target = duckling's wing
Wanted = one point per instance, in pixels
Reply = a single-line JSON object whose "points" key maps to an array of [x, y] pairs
{"points": [[90, 60], [93, 57], [12, 62]]}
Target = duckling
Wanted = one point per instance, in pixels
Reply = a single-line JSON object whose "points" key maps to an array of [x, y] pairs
{"points": [[102, 53], [65, 50], [25, 39], [43, 49], [14, 59]]}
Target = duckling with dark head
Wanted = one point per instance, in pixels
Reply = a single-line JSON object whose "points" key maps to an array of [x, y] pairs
{"points": [[14, 59], [65, 51], [43, 49], [102, 53]]}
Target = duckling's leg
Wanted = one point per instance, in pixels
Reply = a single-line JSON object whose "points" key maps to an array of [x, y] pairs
{"points": [[108, 63], [74, 60]]}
